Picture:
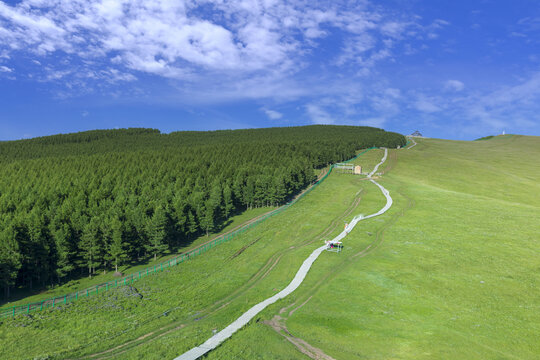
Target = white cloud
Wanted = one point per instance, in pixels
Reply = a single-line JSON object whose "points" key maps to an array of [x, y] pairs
{"points": [[394, 29], [454, 85], [377, 122], [5, 69], [272, 114], [513, 108], [318, 115], [426, 105], [197, 41]]}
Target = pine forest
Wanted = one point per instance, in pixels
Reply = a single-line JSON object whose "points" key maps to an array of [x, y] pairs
{"points": [[75, 204]]}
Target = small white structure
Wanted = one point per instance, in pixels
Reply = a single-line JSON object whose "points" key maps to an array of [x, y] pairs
{"points": [[334, 246], [348, 168], [344, 167]]}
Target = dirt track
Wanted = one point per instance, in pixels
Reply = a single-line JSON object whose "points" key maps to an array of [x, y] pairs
{"points": [[236, 325], [253, 281]]}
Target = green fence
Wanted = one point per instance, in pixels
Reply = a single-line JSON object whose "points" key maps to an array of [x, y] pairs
{"points": [[94, 290]]}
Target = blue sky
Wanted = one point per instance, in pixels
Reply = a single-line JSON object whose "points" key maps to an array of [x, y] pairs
{"points": [[450, 69]]}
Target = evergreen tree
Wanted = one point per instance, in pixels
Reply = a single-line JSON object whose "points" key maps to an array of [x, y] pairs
{"points": [[116, 248], [156, 232], [228, 204], [64, 252], [89, 246], [10, 259]]}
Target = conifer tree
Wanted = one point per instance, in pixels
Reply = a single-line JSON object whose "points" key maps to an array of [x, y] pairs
{"points": [[89, 246], [116, 249], [64, 253], [228, 204], [10, 259], [156, 232]]}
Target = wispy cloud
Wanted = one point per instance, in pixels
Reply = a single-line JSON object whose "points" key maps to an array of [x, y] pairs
{"points": [[318, 115], [195, 41], [374, 122], [272, 114], [426, 105], [454, 85]]}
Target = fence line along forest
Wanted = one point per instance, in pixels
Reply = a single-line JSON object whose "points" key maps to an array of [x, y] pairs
{"points": [[74, 204]]}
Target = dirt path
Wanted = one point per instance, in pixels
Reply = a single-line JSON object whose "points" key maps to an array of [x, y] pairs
{"points": [[278, 324], [413, 145]]}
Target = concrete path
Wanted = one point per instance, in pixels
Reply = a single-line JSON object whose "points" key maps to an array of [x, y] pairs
{"points": [[413, 145], [226, 333]]}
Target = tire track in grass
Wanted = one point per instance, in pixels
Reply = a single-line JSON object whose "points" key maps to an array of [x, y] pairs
{"points": [[278, 322], [247, 316], [253, 281], [220, 304]]}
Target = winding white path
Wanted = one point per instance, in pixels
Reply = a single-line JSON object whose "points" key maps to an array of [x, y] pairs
{"points": [[413, 145], [226, 333]]}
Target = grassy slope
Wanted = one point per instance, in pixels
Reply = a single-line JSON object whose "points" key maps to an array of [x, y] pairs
{"points": [[456, 277], [369, 159], [452, 272], [191, 290]]}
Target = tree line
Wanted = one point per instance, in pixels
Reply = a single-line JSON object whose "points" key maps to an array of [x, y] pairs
{"points": [[75, 204]]}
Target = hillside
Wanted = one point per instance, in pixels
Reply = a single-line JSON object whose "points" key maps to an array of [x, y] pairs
{"points": [[449, 272], [77, 204]]}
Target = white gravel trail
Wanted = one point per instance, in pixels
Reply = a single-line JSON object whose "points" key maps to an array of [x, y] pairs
{"points": [[413, 145], [236, 325]]}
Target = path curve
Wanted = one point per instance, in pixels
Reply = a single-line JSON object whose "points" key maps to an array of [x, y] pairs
{"points": [[413, 145], [236, 325]]}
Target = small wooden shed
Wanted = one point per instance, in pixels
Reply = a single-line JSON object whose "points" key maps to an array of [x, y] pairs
{"points": [[357, 170]]}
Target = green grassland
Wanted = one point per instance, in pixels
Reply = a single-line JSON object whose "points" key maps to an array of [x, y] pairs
{"points": [[369, 159], [456, 274], [239, 274], [450, 271]]}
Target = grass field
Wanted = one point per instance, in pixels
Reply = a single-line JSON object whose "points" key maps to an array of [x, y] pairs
{"points": [[456, 276], [190, 296], [450, 271]]}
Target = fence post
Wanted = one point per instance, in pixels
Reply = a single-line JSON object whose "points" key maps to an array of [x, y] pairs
{"points": [[41, 308], [139, 274], [86, 292], [161, 266], [28, 309], [65, 299], [77, 295], [14, 311], [53, 302], [106, 286]]}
